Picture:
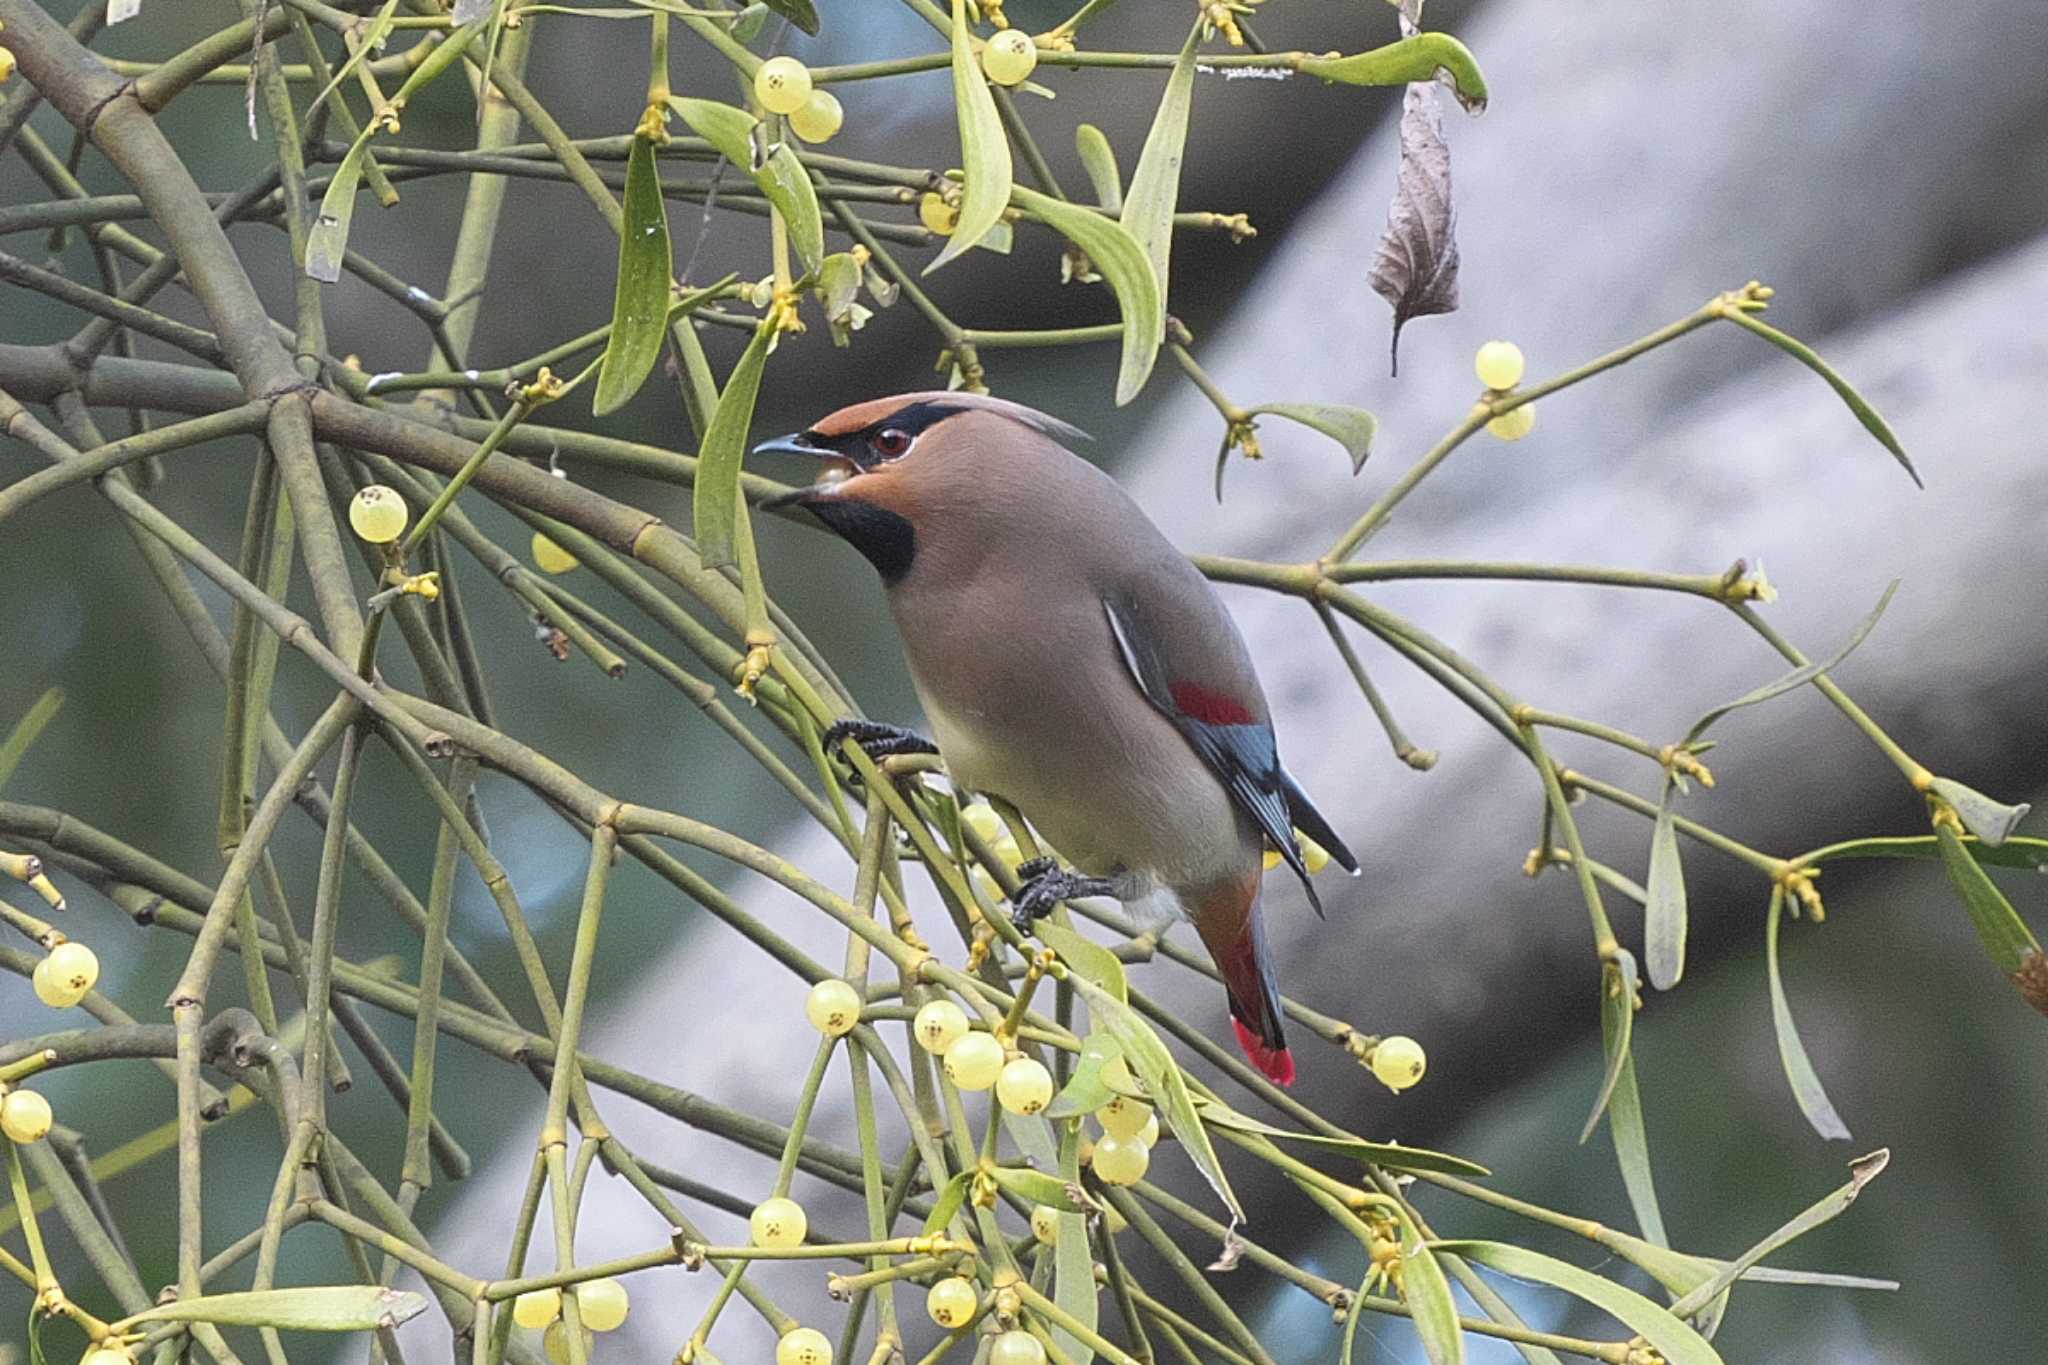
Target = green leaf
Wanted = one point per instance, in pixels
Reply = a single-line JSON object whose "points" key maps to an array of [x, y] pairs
{"points": [[327, 240], [781, 176], [371, 41], [27, 730], [1411, 59], [1040, 1188], [1801, 675], [1073, 1262], [802, 13], [1664, 918], [1099, 160], [1992, 821], [1352, 428], [1806, 1086], [1862, 1171], [1428, 1294], [1155, 186], [1122, 262], [318, 1308], [1856, 402], [2004, 934], [1085, 1090], [984, 146], [1164, 1084], [2017, 851], [1618, 987], [1086, 956], [1675, 1270], [1676, 1342], [718, 510], [1632, 1153], [952, 1196], [1389, 1154], [640, 300]]}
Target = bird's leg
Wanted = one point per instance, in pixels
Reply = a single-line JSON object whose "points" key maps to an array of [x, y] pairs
{"points": [[1045, 884], [876, 739]]}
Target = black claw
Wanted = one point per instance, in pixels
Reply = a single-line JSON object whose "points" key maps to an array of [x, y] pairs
{"points": [[1046, 884], [876, 739]]}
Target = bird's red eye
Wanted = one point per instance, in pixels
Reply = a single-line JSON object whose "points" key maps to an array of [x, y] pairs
{"points": [[890, 442]]}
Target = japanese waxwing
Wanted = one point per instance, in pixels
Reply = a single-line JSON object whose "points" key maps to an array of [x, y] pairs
{"points": [[1072, 662]]}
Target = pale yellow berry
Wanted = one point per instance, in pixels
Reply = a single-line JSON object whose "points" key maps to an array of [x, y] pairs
{"points": [[975, 1061], [1116, 1074], [6, 65], [1515, 423], [938, 215], [1009, 57], [1499, 364], [778, 1222], [984, 821], [938, 1025], [1123, 1117], [833, 1007], [24, 1116], [602, 1304], [555, 1341], [952, 1301], [74, 967], [551, 557], [782, 84], [1007, 852], [819, 119], [1016, 1348], [1024, 1086], [378, 514], [804, 1346], [1314, 856], [1272, 857], [50, 988], [1398, 1062], [1149, 1134], [536, 1308], [106, 1353], [1120, 1161], [1045, 1223]]}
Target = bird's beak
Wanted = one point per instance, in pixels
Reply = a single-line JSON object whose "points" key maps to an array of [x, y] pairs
{"points": [[796, 443], [837, 469]]}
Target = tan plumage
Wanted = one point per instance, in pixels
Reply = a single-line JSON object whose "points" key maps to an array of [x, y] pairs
{"points": [[1070, 660]]}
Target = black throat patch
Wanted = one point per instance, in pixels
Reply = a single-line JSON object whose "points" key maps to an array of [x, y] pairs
{"points": [[888, 541]]}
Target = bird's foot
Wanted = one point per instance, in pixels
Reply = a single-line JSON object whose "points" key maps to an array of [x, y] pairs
{"points": [[876, 739], [1045, 884]]}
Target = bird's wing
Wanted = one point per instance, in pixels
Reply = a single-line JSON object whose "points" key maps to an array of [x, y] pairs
{"points": [[1310, 821], [1232, 738]]}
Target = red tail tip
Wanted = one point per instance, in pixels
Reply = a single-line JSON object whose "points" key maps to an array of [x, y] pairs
{"points": [[1276, 1062]]}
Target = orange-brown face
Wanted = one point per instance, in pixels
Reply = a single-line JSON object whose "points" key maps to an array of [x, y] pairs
{"points": [[861, 491]]}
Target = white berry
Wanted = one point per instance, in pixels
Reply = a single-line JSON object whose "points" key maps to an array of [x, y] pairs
{"points": [[778, 1222], [952, 1301], [1120, 1161], [378, 514], [782, 84], [938, 1025], [1009, 57], [1123, 1117], [1016, 1348], [1499, 364], [1024, 1086], [536, 1308], [833, 1007], [1398, 1062], [804, 1346], [819, 118], [602, 1304], [1515, 423], [25, 1116], [975, 1061]]}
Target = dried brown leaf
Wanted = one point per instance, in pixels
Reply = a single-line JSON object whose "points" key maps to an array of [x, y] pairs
{"points": [[1415, 267]]}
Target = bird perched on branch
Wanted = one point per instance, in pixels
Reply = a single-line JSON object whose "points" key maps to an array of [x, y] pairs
{"points": [[1071, 661]]}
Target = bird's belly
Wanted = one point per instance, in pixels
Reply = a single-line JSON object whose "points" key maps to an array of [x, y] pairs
{"points": [[1106, 801]]}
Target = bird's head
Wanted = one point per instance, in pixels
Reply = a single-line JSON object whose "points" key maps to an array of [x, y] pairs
{"points": [[893, 468]]}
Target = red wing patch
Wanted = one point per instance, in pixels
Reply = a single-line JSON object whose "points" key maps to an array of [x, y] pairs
{"points": [[1211, 708]]}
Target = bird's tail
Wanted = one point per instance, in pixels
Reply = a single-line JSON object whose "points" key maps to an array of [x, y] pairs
{"points": [[1233, 931]]}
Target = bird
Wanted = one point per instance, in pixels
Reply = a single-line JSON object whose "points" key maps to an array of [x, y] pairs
{"points": [[1071, 661]]}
